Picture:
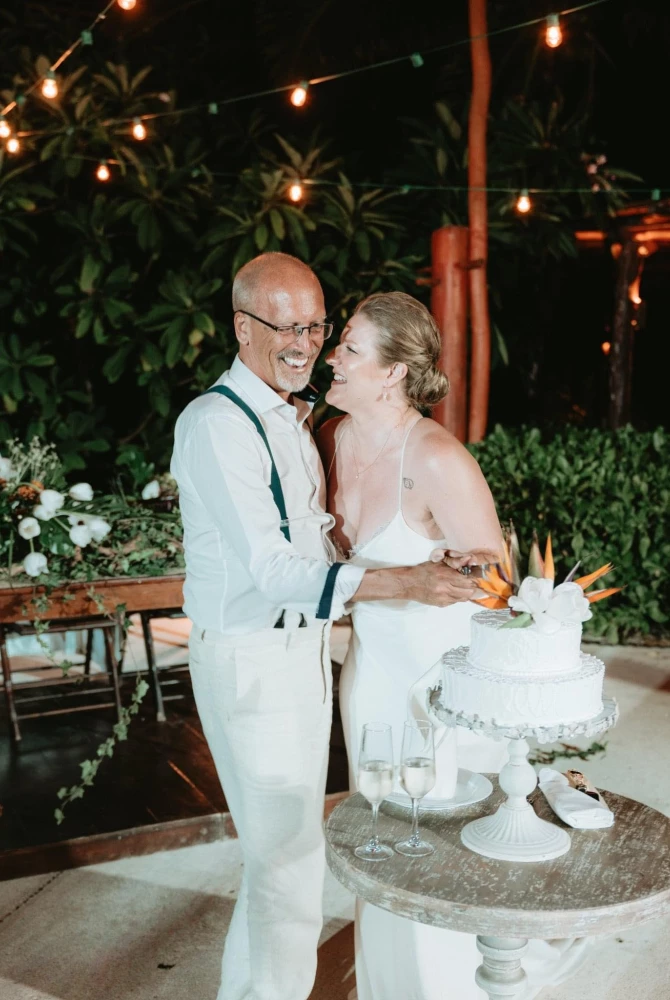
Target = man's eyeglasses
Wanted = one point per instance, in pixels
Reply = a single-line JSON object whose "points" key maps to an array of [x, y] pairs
{"points": [[317, 332]]}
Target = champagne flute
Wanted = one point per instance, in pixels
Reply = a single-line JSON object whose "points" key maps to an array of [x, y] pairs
{"points": [[375, 782], [417, 777]]}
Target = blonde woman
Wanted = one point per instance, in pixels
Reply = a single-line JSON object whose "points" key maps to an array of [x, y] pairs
{"points": [[400, 486]]}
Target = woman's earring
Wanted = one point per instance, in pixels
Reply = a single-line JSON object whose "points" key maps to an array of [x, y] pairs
{"points": [[386, 395]]}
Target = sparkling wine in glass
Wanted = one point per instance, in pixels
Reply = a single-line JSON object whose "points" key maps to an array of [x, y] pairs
{"points": [[417, 777], [375, 782]]}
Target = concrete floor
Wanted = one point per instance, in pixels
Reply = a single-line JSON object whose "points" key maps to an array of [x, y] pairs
{"points": [[152, 928]]}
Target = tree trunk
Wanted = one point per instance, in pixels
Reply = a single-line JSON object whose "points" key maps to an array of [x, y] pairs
{"points": [[449, 306], [621, 350], [480, 363]]}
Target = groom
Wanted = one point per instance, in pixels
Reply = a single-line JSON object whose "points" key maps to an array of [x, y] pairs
{"points": [[262, 589]]}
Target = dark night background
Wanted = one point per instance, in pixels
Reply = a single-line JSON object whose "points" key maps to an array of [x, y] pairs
{"points": [[612, 66]]}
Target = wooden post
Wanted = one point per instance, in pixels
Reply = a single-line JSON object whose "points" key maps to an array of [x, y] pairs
{"points": [[621, 351], [480, 363], [449, 306]]}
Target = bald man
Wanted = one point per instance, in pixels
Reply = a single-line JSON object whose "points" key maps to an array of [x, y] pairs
{"points": [[262, 588]]}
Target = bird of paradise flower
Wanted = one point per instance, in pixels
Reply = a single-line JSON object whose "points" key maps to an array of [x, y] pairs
{"points": [[502, 580]]}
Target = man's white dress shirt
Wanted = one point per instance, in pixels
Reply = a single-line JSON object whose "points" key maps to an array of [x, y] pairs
{"points": [[241, 572]]}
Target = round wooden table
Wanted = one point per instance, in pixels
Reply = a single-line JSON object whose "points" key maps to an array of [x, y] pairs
{"points": [[608, 881]]}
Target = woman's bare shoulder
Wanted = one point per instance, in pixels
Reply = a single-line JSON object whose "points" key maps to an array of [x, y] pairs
{"points": [[435, 446]]}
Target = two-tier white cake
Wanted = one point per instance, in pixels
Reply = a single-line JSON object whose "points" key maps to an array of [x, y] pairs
{"points": [[517, 676]]}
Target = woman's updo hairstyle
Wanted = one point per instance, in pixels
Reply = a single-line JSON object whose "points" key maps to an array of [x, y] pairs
{"points": [[407, 334]]}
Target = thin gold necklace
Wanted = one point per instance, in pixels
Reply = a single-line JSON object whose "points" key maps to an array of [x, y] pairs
{"points": [[361, 472]]}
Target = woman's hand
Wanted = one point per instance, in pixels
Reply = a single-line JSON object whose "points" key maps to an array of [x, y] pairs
{"points": [[459, 560]]}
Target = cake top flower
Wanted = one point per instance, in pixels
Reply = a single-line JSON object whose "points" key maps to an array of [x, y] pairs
{"points": [[536, 599]]}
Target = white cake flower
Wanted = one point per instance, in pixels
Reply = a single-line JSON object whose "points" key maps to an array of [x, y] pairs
{"points": [[568, 604], [81, 491], [29, 527], [533, 597], [6, 469], [152, 490], [35, 563], [51, 500]]}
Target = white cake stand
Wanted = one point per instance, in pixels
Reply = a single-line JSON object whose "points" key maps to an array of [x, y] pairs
{"points": [[515, 832]]}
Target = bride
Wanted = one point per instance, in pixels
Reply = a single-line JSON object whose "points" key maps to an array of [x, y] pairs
{"points": [[401, 487]]}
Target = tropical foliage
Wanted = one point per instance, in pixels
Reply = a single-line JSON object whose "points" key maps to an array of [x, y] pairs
{"points": [[114, 305], [605, 498]]}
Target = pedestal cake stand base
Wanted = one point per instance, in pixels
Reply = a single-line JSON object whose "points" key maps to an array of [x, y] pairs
{"points": [[515, 832]]}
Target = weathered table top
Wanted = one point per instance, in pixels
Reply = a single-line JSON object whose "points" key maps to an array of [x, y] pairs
{"points": [[609, 880], [135, 593]]}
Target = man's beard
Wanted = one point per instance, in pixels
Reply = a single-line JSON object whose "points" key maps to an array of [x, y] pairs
{"points": [[289, 380]]}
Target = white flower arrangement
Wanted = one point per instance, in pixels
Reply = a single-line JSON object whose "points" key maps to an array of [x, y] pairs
{"points": [[37, 507]]}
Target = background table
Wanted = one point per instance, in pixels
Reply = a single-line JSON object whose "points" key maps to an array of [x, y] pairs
{"points": [[608, 881]]}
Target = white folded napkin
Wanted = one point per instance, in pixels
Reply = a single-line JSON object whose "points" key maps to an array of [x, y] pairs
{"points": [[572, 806]]}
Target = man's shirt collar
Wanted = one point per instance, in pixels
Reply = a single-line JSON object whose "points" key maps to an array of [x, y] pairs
{"points": [[263, 397]]}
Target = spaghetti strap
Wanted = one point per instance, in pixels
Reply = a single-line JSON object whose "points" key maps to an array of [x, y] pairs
{"points": [[402, 460], [338, 438]]}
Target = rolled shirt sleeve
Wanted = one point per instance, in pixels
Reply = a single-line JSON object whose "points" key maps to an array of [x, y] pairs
{"points": [[229, 468]]}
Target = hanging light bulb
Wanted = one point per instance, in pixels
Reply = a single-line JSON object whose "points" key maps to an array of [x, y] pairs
{"points": [[299, 94], [523, 203], [127, 4], [103, 172], [50, 86], [5, 129], [553, 35], [605, 347], [296, 192], [139, 131], [13, 145]]}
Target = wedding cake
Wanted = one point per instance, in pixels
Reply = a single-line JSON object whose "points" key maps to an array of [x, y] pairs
{"points": [[522, 675]]}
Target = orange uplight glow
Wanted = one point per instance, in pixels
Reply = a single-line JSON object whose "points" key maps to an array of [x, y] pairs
{"points": [[103, 172], [139, 131], [299, 95], [634, 291], [13, 145], [295, 192], [523, 204], [605, 347], [553, 35]]}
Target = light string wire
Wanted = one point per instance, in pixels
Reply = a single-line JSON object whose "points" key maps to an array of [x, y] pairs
{"points": [[400, 187], [396, 60], [61, 59]]}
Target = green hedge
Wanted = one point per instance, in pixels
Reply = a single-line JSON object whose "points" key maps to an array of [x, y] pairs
{"points": [[605, 497]]}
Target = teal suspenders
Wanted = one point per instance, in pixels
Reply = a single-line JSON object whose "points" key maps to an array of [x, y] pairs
{"points": [[323, 611], [275, 482]]}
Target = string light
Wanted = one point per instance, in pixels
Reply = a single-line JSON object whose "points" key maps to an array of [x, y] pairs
{"points": [[103, 172], [553, 34], [13, 145], [605, 347], [139, 131], [5, 130], [299, 94], [127, 4], [523, 203], [50, 86], [296, 192]]}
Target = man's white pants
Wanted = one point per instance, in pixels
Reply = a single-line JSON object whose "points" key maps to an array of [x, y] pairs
{"points": [[265, 703]]}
